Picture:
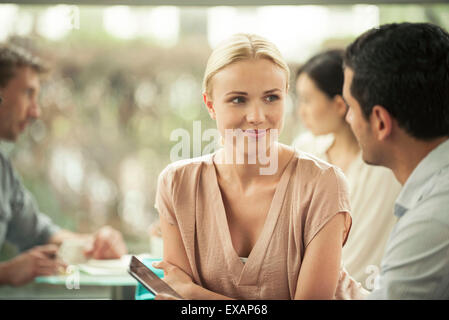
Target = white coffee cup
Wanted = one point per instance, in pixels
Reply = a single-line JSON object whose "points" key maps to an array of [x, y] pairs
{"points": [[72, 251]]}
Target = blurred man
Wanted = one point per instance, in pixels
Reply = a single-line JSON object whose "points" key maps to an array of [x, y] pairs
{"points": [[21, 223], [397, 88]]}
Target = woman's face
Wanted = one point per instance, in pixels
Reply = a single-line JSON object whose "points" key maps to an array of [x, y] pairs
{"points": [[318, 112], [249, 95]]}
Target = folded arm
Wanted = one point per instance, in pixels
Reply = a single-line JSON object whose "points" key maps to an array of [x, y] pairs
{"points": [[177, 271]]}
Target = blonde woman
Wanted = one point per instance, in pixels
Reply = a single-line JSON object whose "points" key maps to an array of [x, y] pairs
{"points": [[232, 232]]}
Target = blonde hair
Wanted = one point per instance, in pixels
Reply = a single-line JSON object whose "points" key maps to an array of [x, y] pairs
{"points": [[240, 47]]}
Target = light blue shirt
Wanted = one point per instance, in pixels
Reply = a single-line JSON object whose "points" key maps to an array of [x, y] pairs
{"points": [[416, 260]]}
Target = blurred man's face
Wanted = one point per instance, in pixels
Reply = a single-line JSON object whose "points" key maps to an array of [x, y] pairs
{"points": [[359, 125], [20, 103]]}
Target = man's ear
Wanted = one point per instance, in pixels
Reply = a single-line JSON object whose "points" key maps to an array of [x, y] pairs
{"points": [[381, 122], [209, 105]]}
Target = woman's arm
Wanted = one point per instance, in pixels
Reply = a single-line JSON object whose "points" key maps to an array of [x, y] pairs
{"points": [[177, 271], [320, 269]]}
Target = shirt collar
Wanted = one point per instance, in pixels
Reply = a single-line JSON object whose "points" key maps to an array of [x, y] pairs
{"points": [[415, 185]]}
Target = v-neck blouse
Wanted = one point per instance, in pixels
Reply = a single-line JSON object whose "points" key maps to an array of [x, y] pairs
{"points": [[310, 192]]}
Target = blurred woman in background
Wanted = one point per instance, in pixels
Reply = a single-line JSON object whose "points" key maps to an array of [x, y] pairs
{"points": [[373, 190]]}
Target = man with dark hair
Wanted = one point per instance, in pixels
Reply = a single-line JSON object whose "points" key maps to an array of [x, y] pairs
{"points": [[397, 89], [21, 223]]}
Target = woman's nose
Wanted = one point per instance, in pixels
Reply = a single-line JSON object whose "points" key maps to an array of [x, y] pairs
{"points": [[256, 115]]}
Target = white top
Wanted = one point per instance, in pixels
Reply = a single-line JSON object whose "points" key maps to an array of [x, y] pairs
{"points": [[244, 259], [372, 193]]}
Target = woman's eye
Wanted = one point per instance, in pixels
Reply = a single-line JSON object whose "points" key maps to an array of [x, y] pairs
{"points": [[238, 100], [271, 98]]}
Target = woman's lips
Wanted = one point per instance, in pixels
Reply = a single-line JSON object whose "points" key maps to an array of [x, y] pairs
{"points": [[256, 133]]}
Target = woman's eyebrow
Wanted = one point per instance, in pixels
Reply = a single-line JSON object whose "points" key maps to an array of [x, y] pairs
{"points": [[237, 92], [245, 93], [272, 90]]}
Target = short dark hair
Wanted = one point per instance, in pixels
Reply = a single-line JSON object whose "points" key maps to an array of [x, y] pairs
{"points": [[326, 70], [13, 57], [404, 68]]}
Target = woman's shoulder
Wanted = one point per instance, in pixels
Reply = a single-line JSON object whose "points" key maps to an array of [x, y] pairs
{"points": [[310, 162], [312, 170], [186, 166], [320, 191]]}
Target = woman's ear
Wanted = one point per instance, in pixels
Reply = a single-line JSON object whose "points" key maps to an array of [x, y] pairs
{"points": [[340, 106], [381, 122], [209, 105]]}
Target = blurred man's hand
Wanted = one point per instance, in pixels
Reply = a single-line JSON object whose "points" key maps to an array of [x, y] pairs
{"points": [[348, 288], [38, 261], [107, 244], [155, 229]]}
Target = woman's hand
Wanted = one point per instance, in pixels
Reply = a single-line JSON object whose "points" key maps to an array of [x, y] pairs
{"points": [[180, 281], [164, 296]]}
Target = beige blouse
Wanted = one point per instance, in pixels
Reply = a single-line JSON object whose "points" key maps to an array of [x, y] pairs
{"points": [[310, 192]]}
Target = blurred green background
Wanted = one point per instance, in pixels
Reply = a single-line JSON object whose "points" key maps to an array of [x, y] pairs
{"points": [[123, 78]]}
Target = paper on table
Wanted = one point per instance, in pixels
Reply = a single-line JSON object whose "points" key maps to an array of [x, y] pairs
{"points": [[109, 267]]}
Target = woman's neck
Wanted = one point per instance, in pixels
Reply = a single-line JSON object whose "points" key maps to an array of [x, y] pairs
{"points": [[346, 140], [344, 149], [244, 174]]}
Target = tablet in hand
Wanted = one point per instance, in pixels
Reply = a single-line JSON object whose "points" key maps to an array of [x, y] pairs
{"points": [[149, 279]]}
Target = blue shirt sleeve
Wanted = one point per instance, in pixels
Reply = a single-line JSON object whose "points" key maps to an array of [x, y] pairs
{"points": [[21, 222]]}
